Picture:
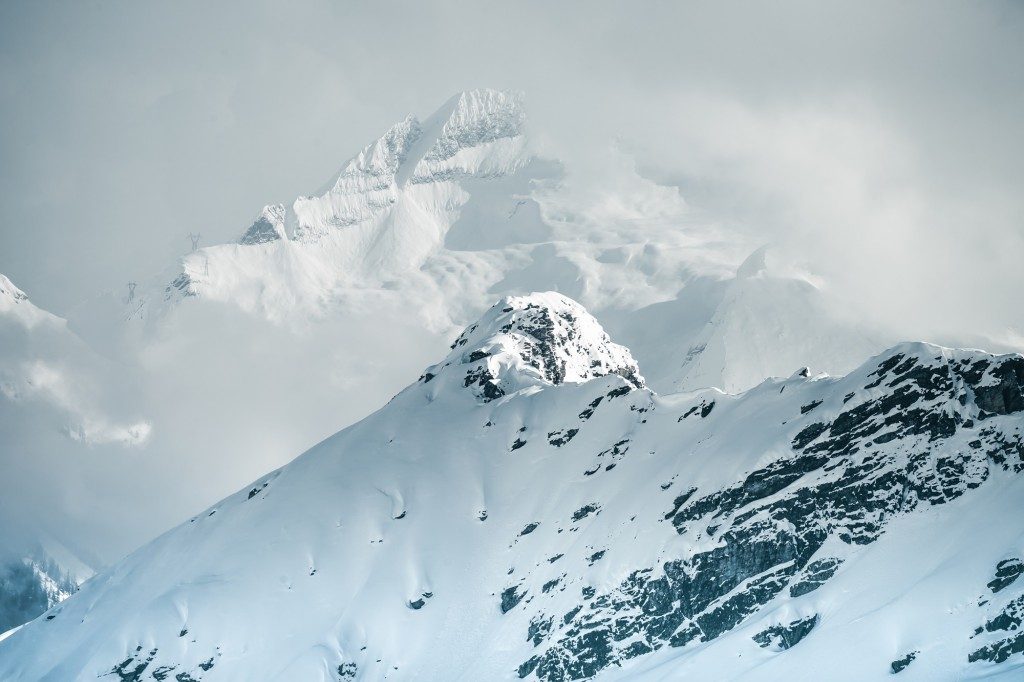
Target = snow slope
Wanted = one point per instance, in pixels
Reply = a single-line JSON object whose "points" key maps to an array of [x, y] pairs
{"points": [[767, 320], [529, 509]]}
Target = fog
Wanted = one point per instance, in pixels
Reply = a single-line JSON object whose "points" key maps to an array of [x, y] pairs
{"points": [[879, 143]]}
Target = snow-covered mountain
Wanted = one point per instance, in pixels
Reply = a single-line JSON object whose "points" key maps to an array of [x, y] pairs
{"points": [[379, 219], [528, 508], [31, 584], [437, 218], [732, 333], [246, 352]]}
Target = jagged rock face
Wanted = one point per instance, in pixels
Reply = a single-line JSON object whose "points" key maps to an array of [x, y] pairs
{"points": [[1003, 629], [542, 338], [841, 481], [529, 498], [268, 227]]}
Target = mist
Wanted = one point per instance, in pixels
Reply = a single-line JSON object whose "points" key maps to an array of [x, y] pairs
{"points": [[884, 155]]}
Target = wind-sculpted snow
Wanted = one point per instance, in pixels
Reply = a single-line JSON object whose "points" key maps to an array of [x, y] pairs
{"points": [[529, 509], [365, 187], [478, 133]]}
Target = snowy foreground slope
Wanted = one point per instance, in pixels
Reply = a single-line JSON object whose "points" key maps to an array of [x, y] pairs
{"points": [[529, 509]]}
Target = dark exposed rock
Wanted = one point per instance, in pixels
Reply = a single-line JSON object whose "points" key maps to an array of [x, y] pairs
{"points": [[560, 438], [162, 673], [900, 664], [814, 576], [485, 382], [1006, 395], [529, 528], [585, 511], [786, 636], [804, 409], [1010, 618], [538, 630], [132, 668], [619, 392], [589, 412], [1007, 572], [771, 523], [510, 597], [262, 231], [999, 651]]}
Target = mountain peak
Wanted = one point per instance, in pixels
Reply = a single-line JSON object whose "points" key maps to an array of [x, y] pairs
{"points": [[477, 117], [10, 292], [268, 227], [538, 339], [477, 133]]}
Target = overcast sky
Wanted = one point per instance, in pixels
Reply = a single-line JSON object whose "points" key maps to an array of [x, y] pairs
{"points": [[880, 142], [886, 135]]}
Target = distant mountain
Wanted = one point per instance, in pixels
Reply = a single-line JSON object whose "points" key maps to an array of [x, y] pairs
{"points": [[732, 333], [437, 217], [530, 509], [38, 581]]}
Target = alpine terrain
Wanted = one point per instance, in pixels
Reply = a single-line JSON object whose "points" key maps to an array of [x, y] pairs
{"points": [[529, 508]]}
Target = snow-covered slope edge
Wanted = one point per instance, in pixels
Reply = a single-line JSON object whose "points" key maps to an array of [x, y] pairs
{"points": [[527, 509]]}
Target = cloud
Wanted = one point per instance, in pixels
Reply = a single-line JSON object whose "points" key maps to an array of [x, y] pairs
{"points": [[877, 143], [47, 383]]}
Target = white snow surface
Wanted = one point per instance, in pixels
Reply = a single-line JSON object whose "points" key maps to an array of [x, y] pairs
{"points": [[313, 571]]}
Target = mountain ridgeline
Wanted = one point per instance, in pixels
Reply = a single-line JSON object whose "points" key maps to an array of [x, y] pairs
{"points": [[530, 509]]}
